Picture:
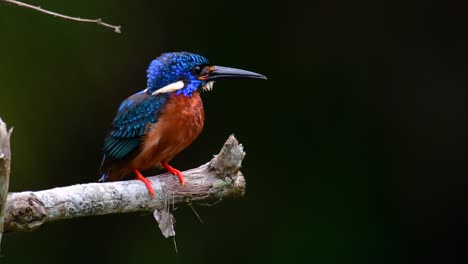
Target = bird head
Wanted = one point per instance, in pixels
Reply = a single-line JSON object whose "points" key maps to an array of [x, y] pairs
{"points": [[185, 73]]}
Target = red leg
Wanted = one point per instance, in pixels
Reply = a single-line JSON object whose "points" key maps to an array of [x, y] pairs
{"points": [[176, 172], [145, 181]]}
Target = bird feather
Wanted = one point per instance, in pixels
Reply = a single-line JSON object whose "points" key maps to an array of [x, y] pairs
{"points": [[133, 117]]}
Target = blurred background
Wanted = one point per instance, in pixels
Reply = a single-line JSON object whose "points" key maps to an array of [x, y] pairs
{"points": [[354, 144]]}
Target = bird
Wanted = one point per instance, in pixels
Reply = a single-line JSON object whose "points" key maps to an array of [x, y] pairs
{"points": [[152, 126]]}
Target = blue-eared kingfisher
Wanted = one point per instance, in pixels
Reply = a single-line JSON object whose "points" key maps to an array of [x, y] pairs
{"points": [[154, 125]]}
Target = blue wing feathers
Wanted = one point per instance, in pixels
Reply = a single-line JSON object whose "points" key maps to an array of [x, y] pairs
{"points": [[133, 117]]}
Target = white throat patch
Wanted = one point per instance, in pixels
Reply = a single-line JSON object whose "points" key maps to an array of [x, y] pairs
{"points": [[170, 88], [208, 86]]}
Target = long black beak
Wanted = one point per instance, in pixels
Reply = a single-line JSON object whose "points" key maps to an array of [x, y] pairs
{"points": [[221, 72]]}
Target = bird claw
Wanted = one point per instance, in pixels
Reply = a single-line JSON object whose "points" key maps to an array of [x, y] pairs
{"points": [[140, 177], [179, 174], [174, 171]]}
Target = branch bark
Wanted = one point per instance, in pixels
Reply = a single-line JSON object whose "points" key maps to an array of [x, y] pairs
{"points": [[98, 21], [5, 157], [218, 179]]}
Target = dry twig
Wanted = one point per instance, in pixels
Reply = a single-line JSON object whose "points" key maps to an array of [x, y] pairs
{"points": [[98, 21], [5, 157]]}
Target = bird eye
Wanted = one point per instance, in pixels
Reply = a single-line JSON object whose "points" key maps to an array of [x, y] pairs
{"points": [[197, 70]]}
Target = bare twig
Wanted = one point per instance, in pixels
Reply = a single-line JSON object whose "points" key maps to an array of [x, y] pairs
{"points": [[218, 179], [5, 156], [195, 212], [40, 9]]}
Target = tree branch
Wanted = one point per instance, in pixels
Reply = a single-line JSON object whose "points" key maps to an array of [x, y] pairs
{"points": [[40, 9], [5, 157], [218, 179]]}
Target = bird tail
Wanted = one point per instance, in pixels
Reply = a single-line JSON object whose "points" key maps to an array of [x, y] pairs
{"points": [[104, 173], [113, 172], [104, 177]]}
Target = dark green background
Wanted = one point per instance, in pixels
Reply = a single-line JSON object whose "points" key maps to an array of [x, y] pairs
{"points": [[354, 144]]}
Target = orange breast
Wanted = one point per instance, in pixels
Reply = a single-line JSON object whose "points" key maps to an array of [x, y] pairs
{"points": [[178, 126]]}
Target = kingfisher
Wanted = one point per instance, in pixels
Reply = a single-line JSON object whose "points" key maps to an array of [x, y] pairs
{"points": [[152, 126]]}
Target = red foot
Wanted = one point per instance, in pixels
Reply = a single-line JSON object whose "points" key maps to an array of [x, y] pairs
{"points": [[145, 181], [176, 172]]}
